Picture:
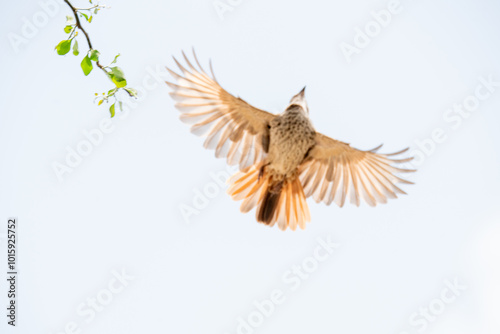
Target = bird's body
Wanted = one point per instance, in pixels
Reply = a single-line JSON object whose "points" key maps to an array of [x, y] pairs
{"points": [[291, 136], [282, 159]]}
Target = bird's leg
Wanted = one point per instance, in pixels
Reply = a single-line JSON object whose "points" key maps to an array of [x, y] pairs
{"points": [[261, 171]]}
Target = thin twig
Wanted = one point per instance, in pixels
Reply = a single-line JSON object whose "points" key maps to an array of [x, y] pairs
{"points": [[79, 25], [90, 8]]}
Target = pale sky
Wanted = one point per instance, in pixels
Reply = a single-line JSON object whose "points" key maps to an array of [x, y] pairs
{"points": [[106, 248]]}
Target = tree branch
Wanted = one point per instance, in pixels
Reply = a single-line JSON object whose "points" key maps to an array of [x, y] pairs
{"points": [[114, 73], [79, 25]]}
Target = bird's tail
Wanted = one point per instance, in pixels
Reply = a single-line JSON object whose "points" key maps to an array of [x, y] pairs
{"points": [[283, 201]]}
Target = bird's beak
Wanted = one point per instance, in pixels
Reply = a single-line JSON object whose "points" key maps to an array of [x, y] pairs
{"points": [[299, 100], [302, 93]]}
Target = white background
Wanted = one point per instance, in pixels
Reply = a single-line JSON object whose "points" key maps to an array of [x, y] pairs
{"points": [[120, 208]]}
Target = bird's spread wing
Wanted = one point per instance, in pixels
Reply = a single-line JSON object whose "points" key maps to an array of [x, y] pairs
{"points": [[232, 127], [335, 171]]}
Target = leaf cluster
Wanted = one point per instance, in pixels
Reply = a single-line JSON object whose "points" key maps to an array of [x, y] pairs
{"points": [[92, 56]]}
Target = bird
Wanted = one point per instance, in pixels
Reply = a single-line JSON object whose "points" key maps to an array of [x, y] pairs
{"points": [[282, 159]]}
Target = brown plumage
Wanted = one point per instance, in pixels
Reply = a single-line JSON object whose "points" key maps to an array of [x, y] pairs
{"points": [[282, 159]]}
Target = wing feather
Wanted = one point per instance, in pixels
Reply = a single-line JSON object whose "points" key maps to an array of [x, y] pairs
{"points": [[334, 171], [234, 128]]}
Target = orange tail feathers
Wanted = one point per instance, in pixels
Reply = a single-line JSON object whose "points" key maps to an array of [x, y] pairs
{"points": [[284, 203]]}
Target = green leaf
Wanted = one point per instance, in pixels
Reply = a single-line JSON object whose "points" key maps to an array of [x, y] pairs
{"points": [[114, 60], [69, 19], [75, 48], [112, 92], [85, 15], [121, 105], [131, 92], [86, 65], [94, 55], [112, 110], [90, 18], [68, 29], [96, 10], [118, 77], [63, 47]]}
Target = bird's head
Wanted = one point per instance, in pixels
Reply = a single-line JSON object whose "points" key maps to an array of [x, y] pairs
{"points": [[300, 100]]}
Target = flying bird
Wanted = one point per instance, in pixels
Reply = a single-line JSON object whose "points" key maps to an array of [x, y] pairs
{"points": [[282, 159]]}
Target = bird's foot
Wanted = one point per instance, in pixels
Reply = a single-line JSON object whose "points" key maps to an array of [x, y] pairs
{"points": [[261, 172]]}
